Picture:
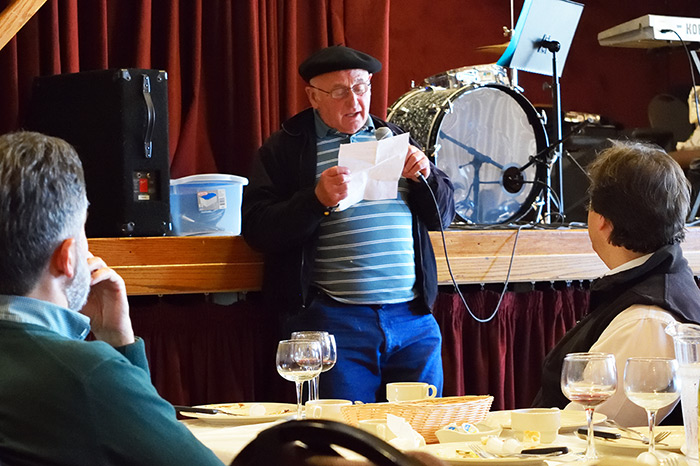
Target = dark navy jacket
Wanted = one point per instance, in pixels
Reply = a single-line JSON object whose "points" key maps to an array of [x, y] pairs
{"points": [[664, 280], [281, 214]]}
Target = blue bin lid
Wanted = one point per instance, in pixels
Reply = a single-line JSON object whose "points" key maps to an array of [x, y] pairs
{"points": [[208, 178]]}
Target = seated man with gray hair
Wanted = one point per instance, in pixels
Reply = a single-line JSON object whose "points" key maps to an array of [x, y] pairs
{"points": [[64, 400]]}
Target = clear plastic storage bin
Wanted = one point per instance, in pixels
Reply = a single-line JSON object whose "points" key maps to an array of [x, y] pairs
{"points": [[208, 204]]}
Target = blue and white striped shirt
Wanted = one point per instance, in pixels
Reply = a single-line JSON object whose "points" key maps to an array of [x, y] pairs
{"points": [[365, 253]]}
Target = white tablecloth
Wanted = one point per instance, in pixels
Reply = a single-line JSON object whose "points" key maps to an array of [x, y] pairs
{"points": [[225, 441]]}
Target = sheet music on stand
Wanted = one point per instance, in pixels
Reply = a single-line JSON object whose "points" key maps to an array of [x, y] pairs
{"points": [[536, 24]]}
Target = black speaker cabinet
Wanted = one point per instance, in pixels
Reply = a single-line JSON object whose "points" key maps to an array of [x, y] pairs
{"points": [[580, 151], [118, 122]]}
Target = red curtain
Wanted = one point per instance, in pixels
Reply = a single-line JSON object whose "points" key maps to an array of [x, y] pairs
{"points": [[202, 352], [503, 357], [232, 65]]}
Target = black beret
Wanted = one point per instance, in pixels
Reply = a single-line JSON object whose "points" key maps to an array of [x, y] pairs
{"points": [[336, 58]]}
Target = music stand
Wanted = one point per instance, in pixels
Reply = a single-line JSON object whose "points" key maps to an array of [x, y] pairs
{"points": [[545, 27]]}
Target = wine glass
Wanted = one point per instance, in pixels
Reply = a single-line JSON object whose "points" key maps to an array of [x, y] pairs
{"points": [[589, 379], [298, 360], [330, 355], [651, 383]]}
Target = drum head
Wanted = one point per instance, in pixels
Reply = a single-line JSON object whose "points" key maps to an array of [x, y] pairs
{"points": [[481, 136], [488, 136]]}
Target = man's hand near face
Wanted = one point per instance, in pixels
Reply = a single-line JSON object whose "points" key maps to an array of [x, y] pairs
{"points": [[107, 305]]}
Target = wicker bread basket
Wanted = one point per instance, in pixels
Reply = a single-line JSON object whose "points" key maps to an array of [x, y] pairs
{"points": [[425, 416]]}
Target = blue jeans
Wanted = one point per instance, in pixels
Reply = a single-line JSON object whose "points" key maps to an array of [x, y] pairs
{"points": [[377, 344]]}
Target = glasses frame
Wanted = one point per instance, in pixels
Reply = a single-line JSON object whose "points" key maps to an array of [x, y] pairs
{"points": [[340, 93]]}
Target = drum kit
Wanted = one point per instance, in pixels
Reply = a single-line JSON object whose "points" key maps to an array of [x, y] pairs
{"points": [[480, 129], [482, 132]]}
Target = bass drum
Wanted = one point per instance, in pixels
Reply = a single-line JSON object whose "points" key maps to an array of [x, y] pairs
{"points": [[476, 134]]}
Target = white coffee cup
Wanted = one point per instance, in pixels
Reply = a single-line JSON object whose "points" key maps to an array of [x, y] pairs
{"points": [[326, 409], [546, 421], [378, 428], [407, 391]]}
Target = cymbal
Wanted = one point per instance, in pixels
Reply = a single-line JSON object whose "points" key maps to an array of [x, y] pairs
{"points": [[496, 48]]}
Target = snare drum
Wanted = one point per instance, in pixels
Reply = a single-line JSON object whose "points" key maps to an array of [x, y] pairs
{"points": [[476, 134], [470, 75]]}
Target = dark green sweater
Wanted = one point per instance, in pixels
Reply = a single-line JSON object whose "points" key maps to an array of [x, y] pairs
{"points": [[74, 402]]}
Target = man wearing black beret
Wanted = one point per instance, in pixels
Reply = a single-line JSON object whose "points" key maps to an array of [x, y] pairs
{"points": [[367, 274]]}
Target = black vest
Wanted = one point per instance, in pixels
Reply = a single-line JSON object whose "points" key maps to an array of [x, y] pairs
{"points": [[664, 280]]}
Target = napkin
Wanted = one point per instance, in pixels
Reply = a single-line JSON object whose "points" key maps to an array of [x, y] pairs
{"points": [[406, 437]]}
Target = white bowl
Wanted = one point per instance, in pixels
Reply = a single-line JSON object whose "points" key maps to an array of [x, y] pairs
{"points": [[446, 435], [545, 421]]}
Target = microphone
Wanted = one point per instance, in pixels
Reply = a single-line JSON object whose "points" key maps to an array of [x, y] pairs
{"points": [[572, 132], [551, 45], [513, 180], [382, 133]]}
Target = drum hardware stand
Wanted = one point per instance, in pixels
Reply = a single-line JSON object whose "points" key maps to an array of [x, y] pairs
{"points": [[512, 177], [478, 159], [508, 32], [553, 47], [531, 41]]}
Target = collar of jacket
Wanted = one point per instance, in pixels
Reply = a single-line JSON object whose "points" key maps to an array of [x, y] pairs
{"points": [[301, 123]]}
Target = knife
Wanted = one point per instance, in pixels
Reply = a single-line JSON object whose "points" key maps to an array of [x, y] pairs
{"points": [[194, 409], [606, 434], [545, 451]]}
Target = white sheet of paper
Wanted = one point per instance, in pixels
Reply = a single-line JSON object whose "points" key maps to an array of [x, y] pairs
{"points": [[375, 168]]}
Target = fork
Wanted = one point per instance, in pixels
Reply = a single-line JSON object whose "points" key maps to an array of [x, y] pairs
{"points": [[674, 459], [479, 450], [657, 438]]}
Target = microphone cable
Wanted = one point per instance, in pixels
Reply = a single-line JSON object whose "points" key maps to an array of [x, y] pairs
{"points": [[697, 110], [692, 74], [420, 176]]}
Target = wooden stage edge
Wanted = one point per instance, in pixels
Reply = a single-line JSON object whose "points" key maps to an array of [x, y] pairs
{"points": [[211, 264]]}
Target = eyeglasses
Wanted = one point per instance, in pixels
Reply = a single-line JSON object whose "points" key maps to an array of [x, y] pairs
{"points": [[339, 93]]}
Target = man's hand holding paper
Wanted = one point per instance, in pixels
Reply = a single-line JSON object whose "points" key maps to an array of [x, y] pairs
{"points": [[375, 168]]}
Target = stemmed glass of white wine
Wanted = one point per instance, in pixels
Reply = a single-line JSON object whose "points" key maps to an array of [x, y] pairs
{"points": [[651, 383], [298, 361], [330, 355], [589, 379]]}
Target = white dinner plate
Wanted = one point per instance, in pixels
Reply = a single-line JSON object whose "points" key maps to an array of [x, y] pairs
{"points": [[273, 412], [448, 453], [627, 446], [570, 419]]}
